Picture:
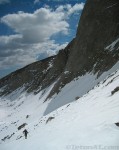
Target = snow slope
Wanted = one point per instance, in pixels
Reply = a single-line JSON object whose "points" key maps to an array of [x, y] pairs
{"points": [[77, 88], [86, 123]]}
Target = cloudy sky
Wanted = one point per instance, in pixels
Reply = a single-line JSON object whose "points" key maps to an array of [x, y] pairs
{"points": [[32, 30]]}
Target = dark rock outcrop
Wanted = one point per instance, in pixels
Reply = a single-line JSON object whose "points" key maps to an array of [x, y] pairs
{"points": [[98, 28], [117, 124], [96, 46], [22, 126], [115, 90], [49, 119]]}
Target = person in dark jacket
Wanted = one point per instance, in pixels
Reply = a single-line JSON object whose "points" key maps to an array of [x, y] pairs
{"points": [[25, 133]]}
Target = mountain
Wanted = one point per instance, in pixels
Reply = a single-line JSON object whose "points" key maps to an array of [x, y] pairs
{"points": [[88, 122], [96, 43], [75, 91], [94, 53], [36, 76]]}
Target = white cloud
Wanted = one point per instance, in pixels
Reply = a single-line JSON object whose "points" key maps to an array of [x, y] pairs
{"points": [[75, 8], [33, 34], [4, 1], [16, 53], [43, 23], [69, 9], [36, 1], [39, 26]]}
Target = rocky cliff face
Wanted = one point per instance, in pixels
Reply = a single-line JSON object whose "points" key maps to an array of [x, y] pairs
{"points": [[95, 48], [98, 28]]}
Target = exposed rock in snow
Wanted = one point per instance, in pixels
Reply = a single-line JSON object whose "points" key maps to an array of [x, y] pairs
{"points": [[87, 122], [112, 46]]}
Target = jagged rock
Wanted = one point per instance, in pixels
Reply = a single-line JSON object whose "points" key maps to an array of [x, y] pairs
{"points": [[117, 124], [49, 119], [7, 137], [27, 116], [76, 98], [115, 90], [22, 126]]}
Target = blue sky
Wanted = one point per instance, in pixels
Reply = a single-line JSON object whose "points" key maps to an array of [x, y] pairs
{"points": [[32, 30]]}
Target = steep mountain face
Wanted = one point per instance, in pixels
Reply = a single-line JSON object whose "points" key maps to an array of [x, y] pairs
{"points": [[98, 28], [96, 46], [95, 50]]}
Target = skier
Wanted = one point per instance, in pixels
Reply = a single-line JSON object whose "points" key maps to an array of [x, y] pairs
{"points": [[25, 133]]}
